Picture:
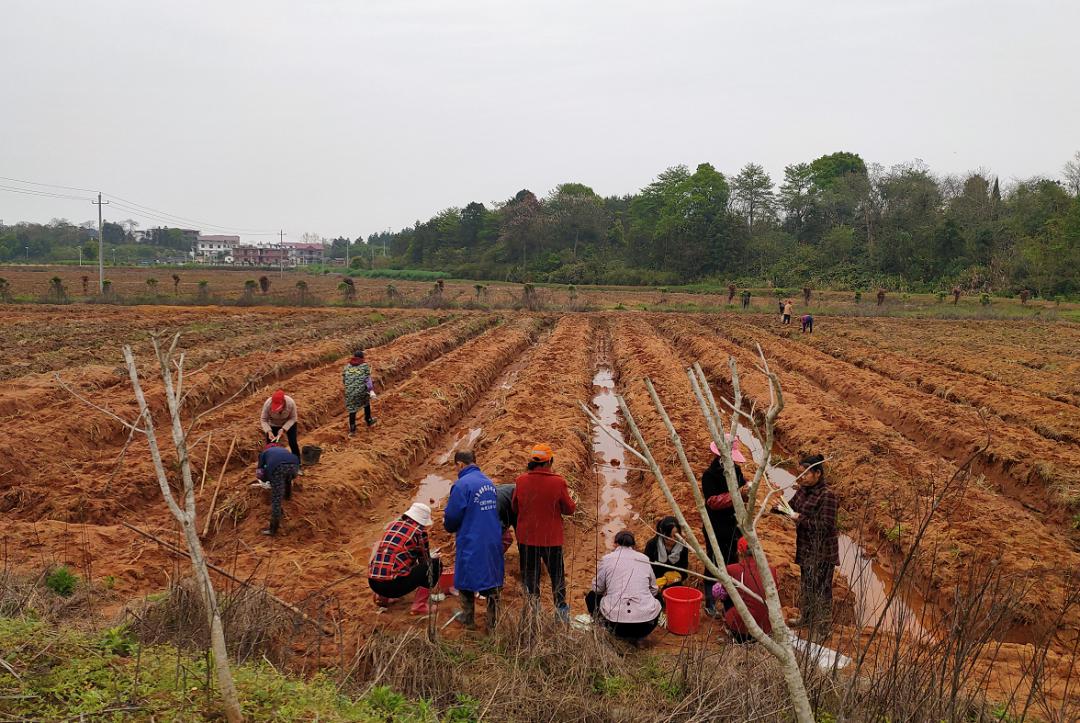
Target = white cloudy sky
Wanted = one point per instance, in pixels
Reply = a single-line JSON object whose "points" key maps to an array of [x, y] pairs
{"points": [[351, 116]]}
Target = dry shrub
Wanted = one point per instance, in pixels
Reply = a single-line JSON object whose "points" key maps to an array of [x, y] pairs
{"points": [[29, 594], [255, 626]]}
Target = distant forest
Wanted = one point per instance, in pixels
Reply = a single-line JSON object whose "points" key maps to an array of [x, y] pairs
{"points": [[833, 222]]}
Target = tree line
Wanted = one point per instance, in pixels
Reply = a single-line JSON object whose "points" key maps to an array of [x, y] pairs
{"points": [[834, 221]]}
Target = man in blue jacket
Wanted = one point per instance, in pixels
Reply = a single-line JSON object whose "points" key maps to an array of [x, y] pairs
{"points": [[472, 514]]}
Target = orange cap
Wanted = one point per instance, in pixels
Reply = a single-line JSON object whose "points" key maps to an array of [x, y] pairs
{"points": [[541, 453]]}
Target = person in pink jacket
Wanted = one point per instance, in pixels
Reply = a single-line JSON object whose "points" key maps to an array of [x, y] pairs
{"points": [[623, 595]]}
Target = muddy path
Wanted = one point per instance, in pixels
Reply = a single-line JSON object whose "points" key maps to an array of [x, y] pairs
{"points": [[883, 481], [1041, 474]]}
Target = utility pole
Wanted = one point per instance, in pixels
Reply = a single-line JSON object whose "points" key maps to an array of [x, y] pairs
{"points": [[281, 254], [101, 244], [347, 242]]}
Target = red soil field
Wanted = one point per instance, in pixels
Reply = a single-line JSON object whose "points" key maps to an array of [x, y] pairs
{"points": [[895, 414]]}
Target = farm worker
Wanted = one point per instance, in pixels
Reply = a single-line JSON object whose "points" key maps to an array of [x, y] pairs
{"points": [[721, 510], [746, 299], [472, 514], [664, 549], [279, 415], [403, 562], [745, 571], [540, 500], [955, 295], [807, 323], [507, 518], [279, 468], [624, 591], [817, 548], [787, 312], [358, 389], [731, 289]]}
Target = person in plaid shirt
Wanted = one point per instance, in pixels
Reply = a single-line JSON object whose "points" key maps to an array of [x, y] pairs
{"points": [[402, 561], [817, 548]]}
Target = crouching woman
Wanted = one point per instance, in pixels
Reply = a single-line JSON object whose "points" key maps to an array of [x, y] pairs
{"points": [[403, 561], [623, 595]]}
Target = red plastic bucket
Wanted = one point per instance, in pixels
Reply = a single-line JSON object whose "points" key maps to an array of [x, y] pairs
{"points": [[683, 607], [446, 580]]}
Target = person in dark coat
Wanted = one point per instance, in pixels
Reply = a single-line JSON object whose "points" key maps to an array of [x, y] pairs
{"points": [[277, 466], [472, 515], [663, 548], [721, 511], [507, 517], [817, 545]]}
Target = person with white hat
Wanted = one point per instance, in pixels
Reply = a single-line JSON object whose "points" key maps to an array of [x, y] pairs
{"points": [[721, 510], [403, 561]]}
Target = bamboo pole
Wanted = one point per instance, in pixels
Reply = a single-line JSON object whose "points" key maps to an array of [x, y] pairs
{"points": [[176, 550], [217, 487]]}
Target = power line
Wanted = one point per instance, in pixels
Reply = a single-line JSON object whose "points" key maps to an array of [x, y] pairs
{"points": [[132, 207]]}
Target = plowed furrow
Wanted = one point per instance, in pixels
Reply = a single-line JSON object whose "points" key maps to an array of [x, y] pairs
{"points": [[883, 480], [1023, 464]]}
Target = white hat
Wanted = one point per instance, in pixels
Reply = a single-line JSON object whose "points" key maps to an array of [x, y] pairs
{"points": [[421, 513]]}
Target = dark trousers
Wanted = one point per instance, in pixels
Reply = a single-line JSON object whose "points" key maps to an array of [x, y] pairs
{"points": [[421, 575], [626, 631], [530, 557], [787, 318], [281, 480], [294, 446], [367, 417], [468, 605], [808, 326], [745, 303], [815, 591]]}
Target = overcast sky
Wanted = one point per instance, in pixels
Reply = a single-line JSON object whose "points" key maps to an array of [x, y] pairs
{"points": [[352, 116]]}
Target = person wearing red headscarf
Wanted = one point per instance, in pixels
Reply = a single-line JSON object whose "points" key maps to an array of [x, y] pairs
{"points": [[279, 415]]}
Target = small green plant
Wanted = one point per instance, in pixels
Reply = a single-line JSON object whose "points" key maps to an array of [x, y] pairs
{"points": [[985, 299], [466, 708], [62, 581], [893, 535], [858, 297], [941, 297], [610, 685], [386, 700], [108, 582], [151, 284], [117, 641]]}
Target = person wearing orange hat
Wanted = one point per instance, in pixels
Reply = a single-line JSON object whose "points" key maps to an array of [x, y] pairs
{"points": [[540, 499], [279, 415], [721, 510], [745, 571]]}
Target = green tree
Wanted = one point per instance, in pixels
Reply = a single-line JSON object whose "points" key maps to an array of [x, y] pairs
{"points": [[752, 193]]}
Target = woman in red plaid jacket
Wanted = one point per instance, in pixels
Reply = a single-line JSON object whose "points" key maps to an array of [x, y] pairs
{"points": [[402, 561]]}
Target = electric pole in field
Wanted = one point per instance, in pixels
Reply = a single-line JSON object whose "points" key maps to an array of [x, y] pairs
{"points": [[101, 244], [281, 255]]}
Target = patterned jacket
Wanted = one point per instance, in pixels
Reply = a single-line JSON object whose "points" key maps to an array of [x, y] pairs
{"points": [[403, 543], [816, 538], [357, 381]]}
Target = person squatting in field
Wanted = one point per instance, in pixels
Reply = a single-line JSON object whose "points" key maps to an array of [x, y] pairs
{"points": [[664, 549], [540, 500], [472, 515], [623, 597], [817, 545], [745, 571], [403, 561], [277, 467], [359, 389], [721, 511], [279, 415]]}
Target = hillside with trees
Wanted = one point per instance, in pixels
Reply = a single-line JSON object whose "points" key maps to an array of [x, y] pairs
{"points": [[834, 221]]}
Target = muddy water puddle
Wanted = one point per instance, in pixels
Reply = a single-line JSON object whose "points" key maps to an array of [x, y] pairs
{"points": [[613, 501], [868, 579]]}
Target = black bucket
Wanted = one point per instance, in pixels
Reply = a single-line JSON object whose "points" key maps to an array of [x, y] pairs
{"points": [[309, 454]]}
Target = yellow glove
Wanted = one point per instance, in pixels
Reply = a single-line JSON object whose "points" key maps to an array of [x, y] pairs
{"points": [[672, 578]]}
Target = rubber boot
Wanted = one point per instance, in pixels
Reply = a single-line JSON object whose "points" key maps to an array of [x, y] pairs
{"points": [[272, 530], [468, 610], [492, 612], [420, 602]]}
